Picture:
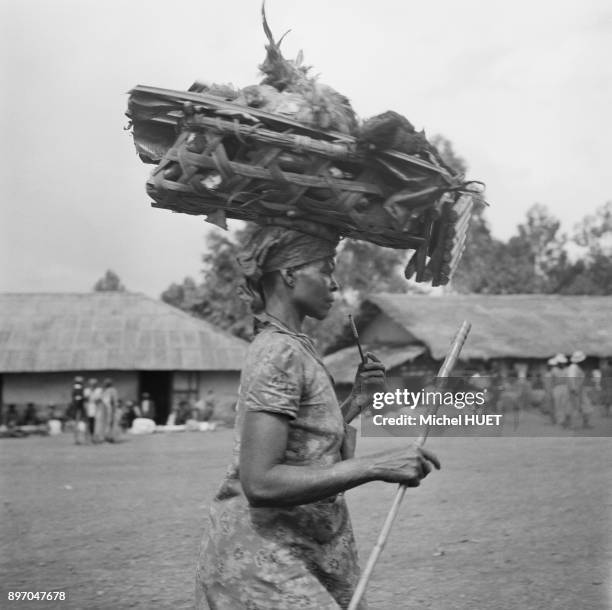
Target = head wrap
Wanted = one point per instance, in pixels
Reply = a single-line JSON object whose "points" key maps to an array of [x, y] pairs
{"points": [[272, 248]]}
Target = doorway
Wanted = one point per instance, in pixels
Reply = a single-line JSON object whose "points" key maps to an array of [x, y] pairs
{"points": [[158, 385]]}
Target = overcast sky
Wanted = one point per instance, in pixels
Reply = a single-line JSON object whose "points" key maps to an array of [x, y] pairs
{"points": [[522, 88]]}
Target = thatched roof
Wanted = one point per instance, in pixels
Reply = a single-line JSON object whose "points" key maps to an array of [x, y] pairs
{"points": [[505, 326], [108, 331], [343, 364]]}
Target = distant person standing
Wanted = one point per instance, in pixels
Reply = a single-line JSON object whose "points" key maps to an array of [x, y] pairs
{"points": [[580, 404], [523, 393], [78, 411], [100, 416], [209, 405], [94, 409], [606, 387], [109, 405], [90, 408], [561, 398], [147, 407], [548, 406], [118, 421]]}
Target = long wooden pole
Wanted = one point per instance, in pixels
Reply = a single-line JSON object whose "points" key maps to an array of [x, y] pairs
{"points": [[447, 367]]}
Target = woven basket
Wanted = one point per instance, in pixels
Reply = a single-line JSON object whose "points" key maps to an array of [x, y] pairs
{"points": [[223, 160]]}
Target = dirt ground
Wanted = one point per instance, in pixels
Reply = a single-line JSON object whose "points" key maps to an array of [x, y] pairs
{"points": [[508, 523]]}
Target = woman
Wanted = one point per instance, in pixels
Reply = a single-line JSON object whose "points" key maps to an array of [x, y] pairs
{"points": [[280, 534], [561, 397], [78, 411], [580, 401], [109, 409], [100, 415], [548, 406], [93, 399]]}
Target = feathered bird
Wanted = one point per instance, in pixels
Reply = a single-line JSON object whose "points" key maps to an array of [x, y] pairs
{"points": [[226, 91], [392, 130], [302, 96], [279, 72]]}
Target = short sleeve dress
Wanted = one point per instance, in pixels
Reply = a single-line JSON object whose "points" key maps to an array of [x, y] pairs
{"points": [[300, 557]]}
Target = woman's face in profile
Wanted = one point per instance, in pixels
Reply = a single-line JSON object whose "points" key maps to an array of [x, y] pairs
{"points": [[315, 287]]}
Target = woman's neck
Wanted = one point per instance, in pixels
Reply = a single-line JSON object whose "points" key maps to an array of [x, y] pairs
{"points": [[285, 313]]}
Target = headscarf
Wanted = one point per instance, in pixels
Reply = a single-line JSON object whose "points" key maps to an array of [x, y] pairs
{"points": [[272, 248]]}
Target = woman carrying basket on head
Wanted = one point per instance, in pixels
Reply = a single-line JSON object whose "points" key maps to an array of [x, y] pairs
{"points": [[280, 535]]}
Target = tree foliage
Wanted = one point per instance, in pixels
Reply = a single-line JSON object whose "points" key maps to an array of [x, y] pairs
{"points": [[362, 267], [526, 263], [593, 273], [217, 297], [595, 231], [449, 156], [537, 258], [109, 282]]}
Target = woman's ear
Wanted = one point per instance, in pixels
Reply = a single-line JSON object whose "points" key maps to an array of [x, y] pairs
{"points": [[288, 277]]}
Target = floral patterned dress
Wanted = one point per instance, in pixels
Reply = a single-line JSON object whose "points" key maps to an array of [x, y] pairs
{"points": [[262, 558]]}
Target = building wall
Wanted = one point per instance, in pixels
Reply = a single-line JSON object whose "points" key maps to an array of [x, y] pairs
{"points": [[382, 329], [185, 387], [46, 388], [55, 388], [224, 383]]}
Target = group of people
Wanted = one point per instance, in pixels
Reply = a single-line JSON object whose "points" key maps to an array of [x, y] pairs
{"points": [[184, 410], [100, 415], [571, 392], [96, 411], [570, 398], [34, 419], [31, 416]]}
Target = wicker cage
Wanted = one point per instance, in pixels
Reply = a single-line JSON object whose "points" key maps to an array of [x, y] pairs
{"points": [[223, 160]]}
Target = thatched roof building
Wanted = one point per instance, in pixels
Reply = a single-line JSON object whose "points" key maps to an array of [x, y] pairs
{"points": [[504, 327], [108, 331], [143, 344]]}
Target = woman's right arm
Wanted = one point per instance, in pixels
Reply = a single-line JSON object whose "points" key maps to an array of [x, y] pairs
{"points": [[268, 481]]}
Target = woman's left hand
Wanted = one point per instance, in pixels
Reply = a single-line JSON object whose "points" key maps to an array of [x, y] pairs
{"points": [[370, 375], [370, 378]]}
